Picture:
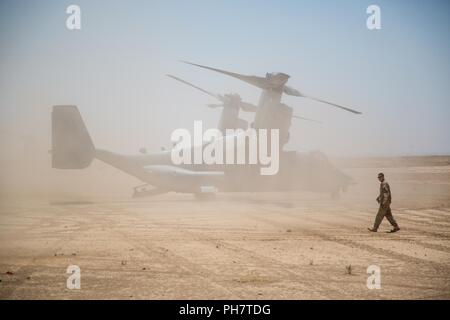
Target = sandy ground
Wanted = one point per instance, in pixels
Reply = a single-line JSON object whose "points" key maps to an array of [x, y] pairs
{"points": [[238, 246]]}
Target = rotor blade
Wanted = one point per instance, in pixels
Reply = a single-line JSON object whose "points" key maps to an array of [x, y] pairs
{"points": [[333, 104], [248, 107], [198, 88], [294, 92], [259, 82], [213, 105], [307, 119]]}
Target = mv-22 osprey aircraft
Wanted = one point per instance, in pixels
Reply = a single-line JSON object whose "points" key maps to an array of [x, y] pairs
{"points": [[72, 148]]}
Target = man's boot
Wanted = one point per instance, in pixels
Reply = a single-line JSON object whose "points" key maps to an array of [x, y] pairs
{"points": [[395, 229]]}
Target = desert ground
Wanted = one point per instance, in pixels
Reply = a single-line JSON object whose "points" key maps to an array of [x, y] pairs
{"points": [[295, 245]]}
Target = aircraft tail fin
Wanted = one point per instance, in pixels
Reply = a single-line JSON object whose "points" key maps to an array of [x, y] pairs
{"points": [[72, 147]]}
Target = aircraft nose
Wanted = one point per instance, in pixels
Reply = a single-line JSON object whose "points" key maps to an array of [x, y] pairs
{"points": [[347, 180]]}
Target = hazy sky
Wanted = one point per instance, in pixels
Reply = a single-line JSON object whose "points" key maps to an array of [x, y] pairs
{"points": [[114, 69]]}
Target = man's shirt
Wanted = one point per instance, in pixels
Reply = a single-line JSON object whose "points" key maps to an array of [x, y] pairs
{"points": [[385, 194]]}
